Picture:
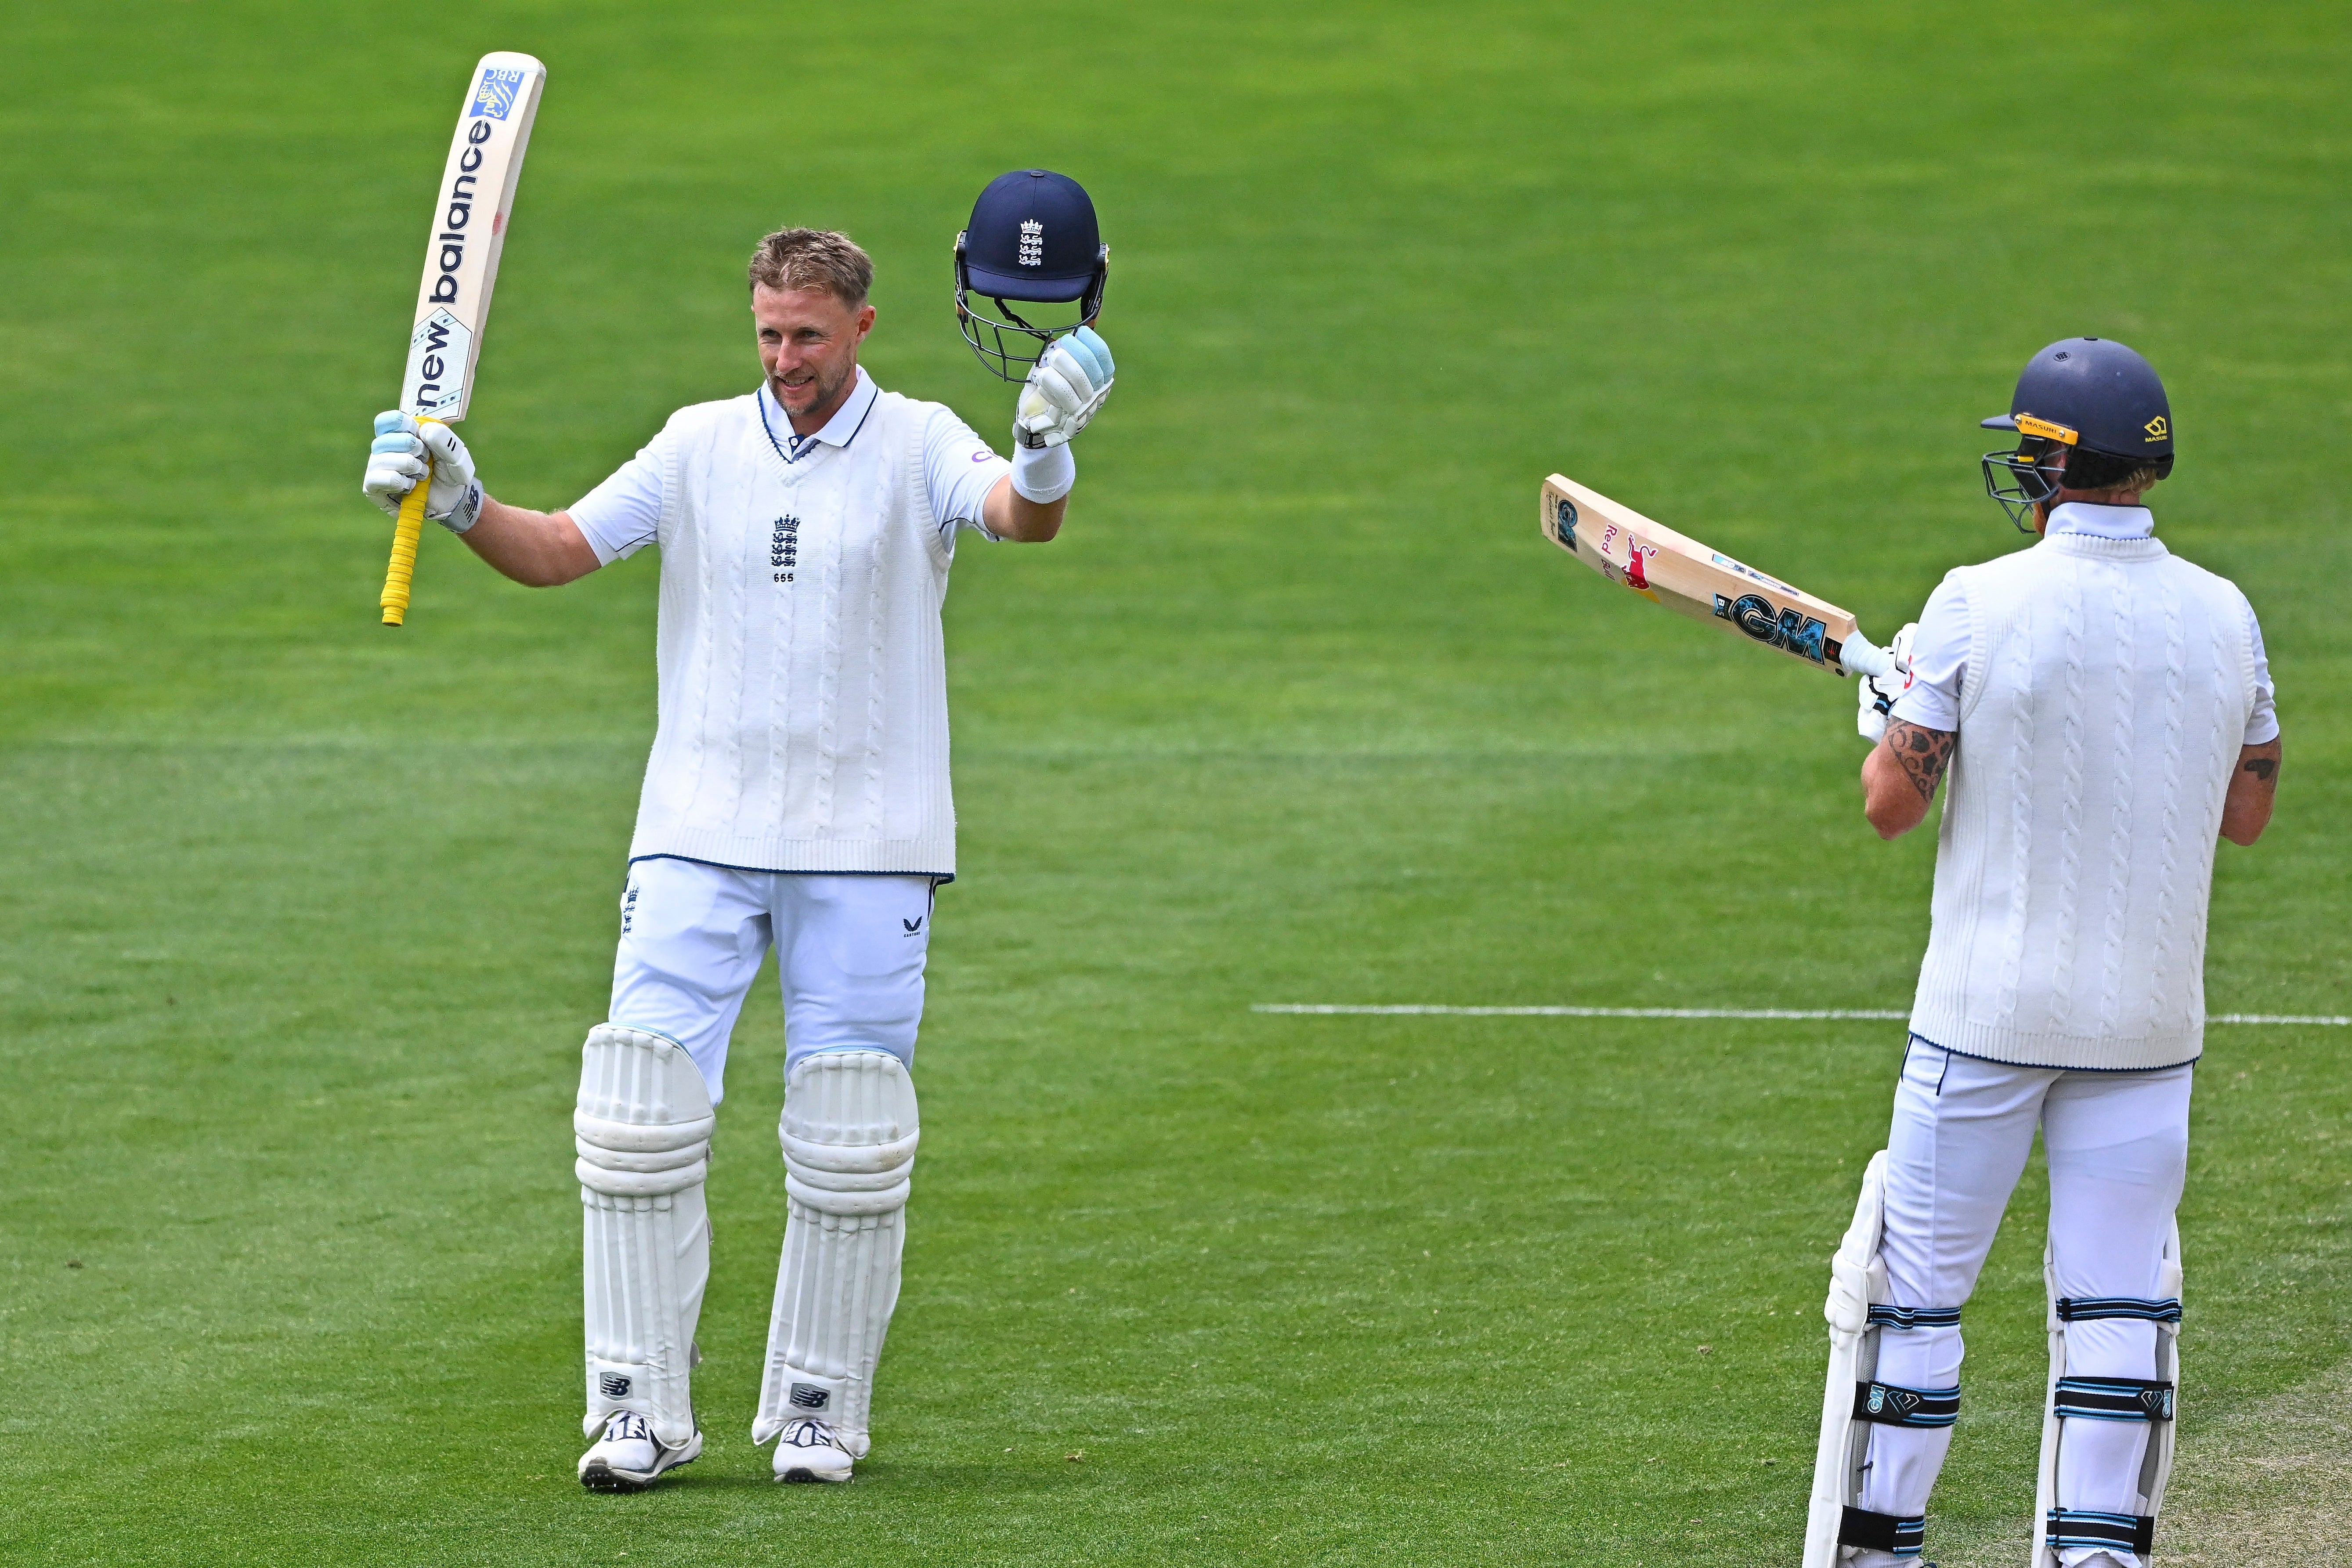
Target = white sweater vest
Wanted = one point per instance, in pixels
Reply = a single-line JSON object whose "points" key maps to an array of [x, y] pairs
{"points": [[803, 676], [2106, 694]]}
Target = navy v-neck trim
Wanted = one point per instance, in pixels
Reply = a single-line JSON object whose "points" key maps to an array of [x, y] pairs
{"points": [[761, 400]]}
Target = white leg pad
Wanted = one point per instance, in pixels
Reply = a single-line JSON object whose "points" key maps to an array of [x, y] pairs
{"points": [[849, 1132], [2126, 1537], [642, 1128], [1857, 1279]]}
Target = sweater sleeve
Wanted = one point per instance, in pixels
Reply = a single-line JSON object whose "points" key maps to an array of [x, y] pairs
{"points": [[959, 470], [2262, 724], [1939, 659], [621, 516]]}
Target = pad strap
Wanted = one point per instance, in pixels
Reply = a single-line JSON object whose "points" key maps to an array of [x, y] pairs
{"points": [[1882, 1531], [2112, 1399], [2071, 1527], [1888, 1317], [1892, 1406], [2083, 1309]]}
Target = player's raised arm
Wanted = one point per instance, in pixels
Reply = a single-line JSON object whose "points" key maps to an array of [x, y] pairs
{"points": [[1033, 240]]}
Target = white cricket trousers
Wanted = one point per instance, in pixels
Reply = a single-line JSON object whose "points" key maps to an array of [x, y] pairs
{"points": [[2117, 1146], [850, 953]]}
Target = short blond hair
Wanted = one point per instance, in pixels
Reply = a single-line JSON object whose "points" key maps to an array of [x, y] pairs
{"points": [[813, 259]]}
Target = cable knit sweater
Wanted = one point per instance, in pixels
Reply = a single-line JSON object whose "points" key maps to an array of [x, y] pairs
{"points": [[804, 675], [2107, 690]]}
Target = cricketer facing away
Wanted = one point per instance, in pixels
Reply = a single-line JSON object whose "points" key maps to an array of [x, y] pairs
{"points": [[2105, 711], [796, 797]]}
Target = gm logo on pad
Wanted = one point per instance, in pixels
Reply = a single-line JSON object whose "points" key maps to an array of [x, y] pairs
{"points": [[495, 96]]}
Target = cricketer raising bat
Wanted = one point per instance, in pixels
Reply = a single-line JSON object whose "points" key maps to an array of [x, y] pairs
{"points": [[461, 263], [1706, 584]]}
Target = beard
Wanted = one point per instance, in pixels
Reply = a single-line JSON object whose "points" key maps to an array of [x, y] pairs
{"points": [[818, 392]]}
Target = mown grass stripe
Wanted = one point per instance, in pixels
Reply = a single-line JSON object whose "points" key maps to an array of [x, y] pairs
{"points": [[1895, 1015]]}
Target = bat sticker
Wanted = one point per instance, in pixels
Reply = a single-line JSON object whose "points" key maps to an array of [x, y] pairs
{"points": [[1564, 525], [1728, 564], [1791, 630]]}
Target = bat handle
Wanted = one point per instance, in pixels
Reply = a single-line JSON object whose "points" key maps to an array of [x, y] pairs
{"points": [[406, 531], [1859, 656]]}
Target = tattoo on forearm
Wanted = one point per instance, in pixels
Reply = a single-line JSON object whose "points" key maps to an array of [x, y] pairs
{"points": [[2262, 768], [1923, 754]]}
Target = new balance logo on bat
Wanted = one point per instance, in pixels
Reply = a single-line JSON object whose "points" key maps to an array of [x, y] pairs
{"points": [[439, 351], [430, 369], [1791, 629], [459, 213]]}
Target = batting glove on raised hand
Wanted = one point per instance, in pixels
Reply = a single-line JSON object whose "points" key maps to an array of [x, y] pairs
{"points": [[1878, 692], [396, 461], [1064, 390]]}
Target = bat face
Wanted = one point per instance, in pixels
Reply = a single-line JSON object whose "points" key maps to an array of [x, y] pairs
{"points": [[1690, 579], [469, 226]]}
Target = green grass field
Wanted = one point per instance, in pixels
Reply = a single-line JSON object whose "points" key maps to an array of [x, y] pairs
{"points": [[304, 919]]}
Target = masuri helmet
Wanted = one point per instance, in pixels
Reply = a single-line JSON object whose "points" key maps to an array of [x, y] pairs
{"points": [[1032, 238], [2089, 412]]}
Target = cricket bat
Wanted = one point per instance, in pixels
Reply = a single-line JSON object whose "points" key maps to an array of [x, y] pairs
{"points": [[461, 263], [1706, 584]]}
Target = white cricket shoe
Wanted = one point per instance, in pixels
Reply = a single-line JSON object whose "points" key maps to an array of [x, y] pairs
{"points": [[811, 1450], [628, 1458]]}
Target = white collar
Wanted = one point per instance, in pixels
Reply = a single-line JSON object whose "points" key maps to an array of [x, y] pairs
{"points": [[839, 431], [2101, 522]]}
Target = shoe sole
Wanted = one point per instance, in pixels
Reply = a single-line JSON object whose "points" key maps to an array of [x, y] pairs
{"points": [[800, 1474], [600, 1476]]}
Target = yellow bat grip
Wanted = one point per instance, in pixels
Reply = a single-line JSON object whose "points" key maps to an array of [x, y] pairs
{"points": [[405, 535]]}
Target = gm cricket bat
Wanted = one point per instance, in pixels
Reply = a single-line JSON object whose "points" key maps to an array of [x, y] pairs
{"points": [[461, 263], [1690, 579]]}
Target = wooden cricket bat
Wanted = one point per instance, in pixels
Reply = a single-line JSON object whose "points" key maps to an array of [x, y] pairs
{"points": [[1706, 584], [461, 263]]}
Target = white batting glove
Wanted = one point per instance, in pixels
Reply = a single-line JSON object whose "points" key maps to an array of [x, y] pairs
{"points": [[396, 461], [1877, 693], [1064, 390]]}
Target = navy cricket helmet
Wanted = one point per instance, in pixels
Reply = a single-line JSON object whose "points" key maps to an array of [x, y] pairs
{"points": [[2089, 414], [1032, 238]]}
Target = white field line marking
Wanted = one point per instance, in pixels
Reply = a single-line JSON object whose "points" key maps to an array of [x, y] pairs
{"points": [[1895, 1015]]}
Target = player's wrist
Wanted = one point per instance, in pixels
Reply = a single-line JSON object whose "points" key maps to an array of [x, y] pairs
{"points": [[1044, 475], [465, 511]]}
